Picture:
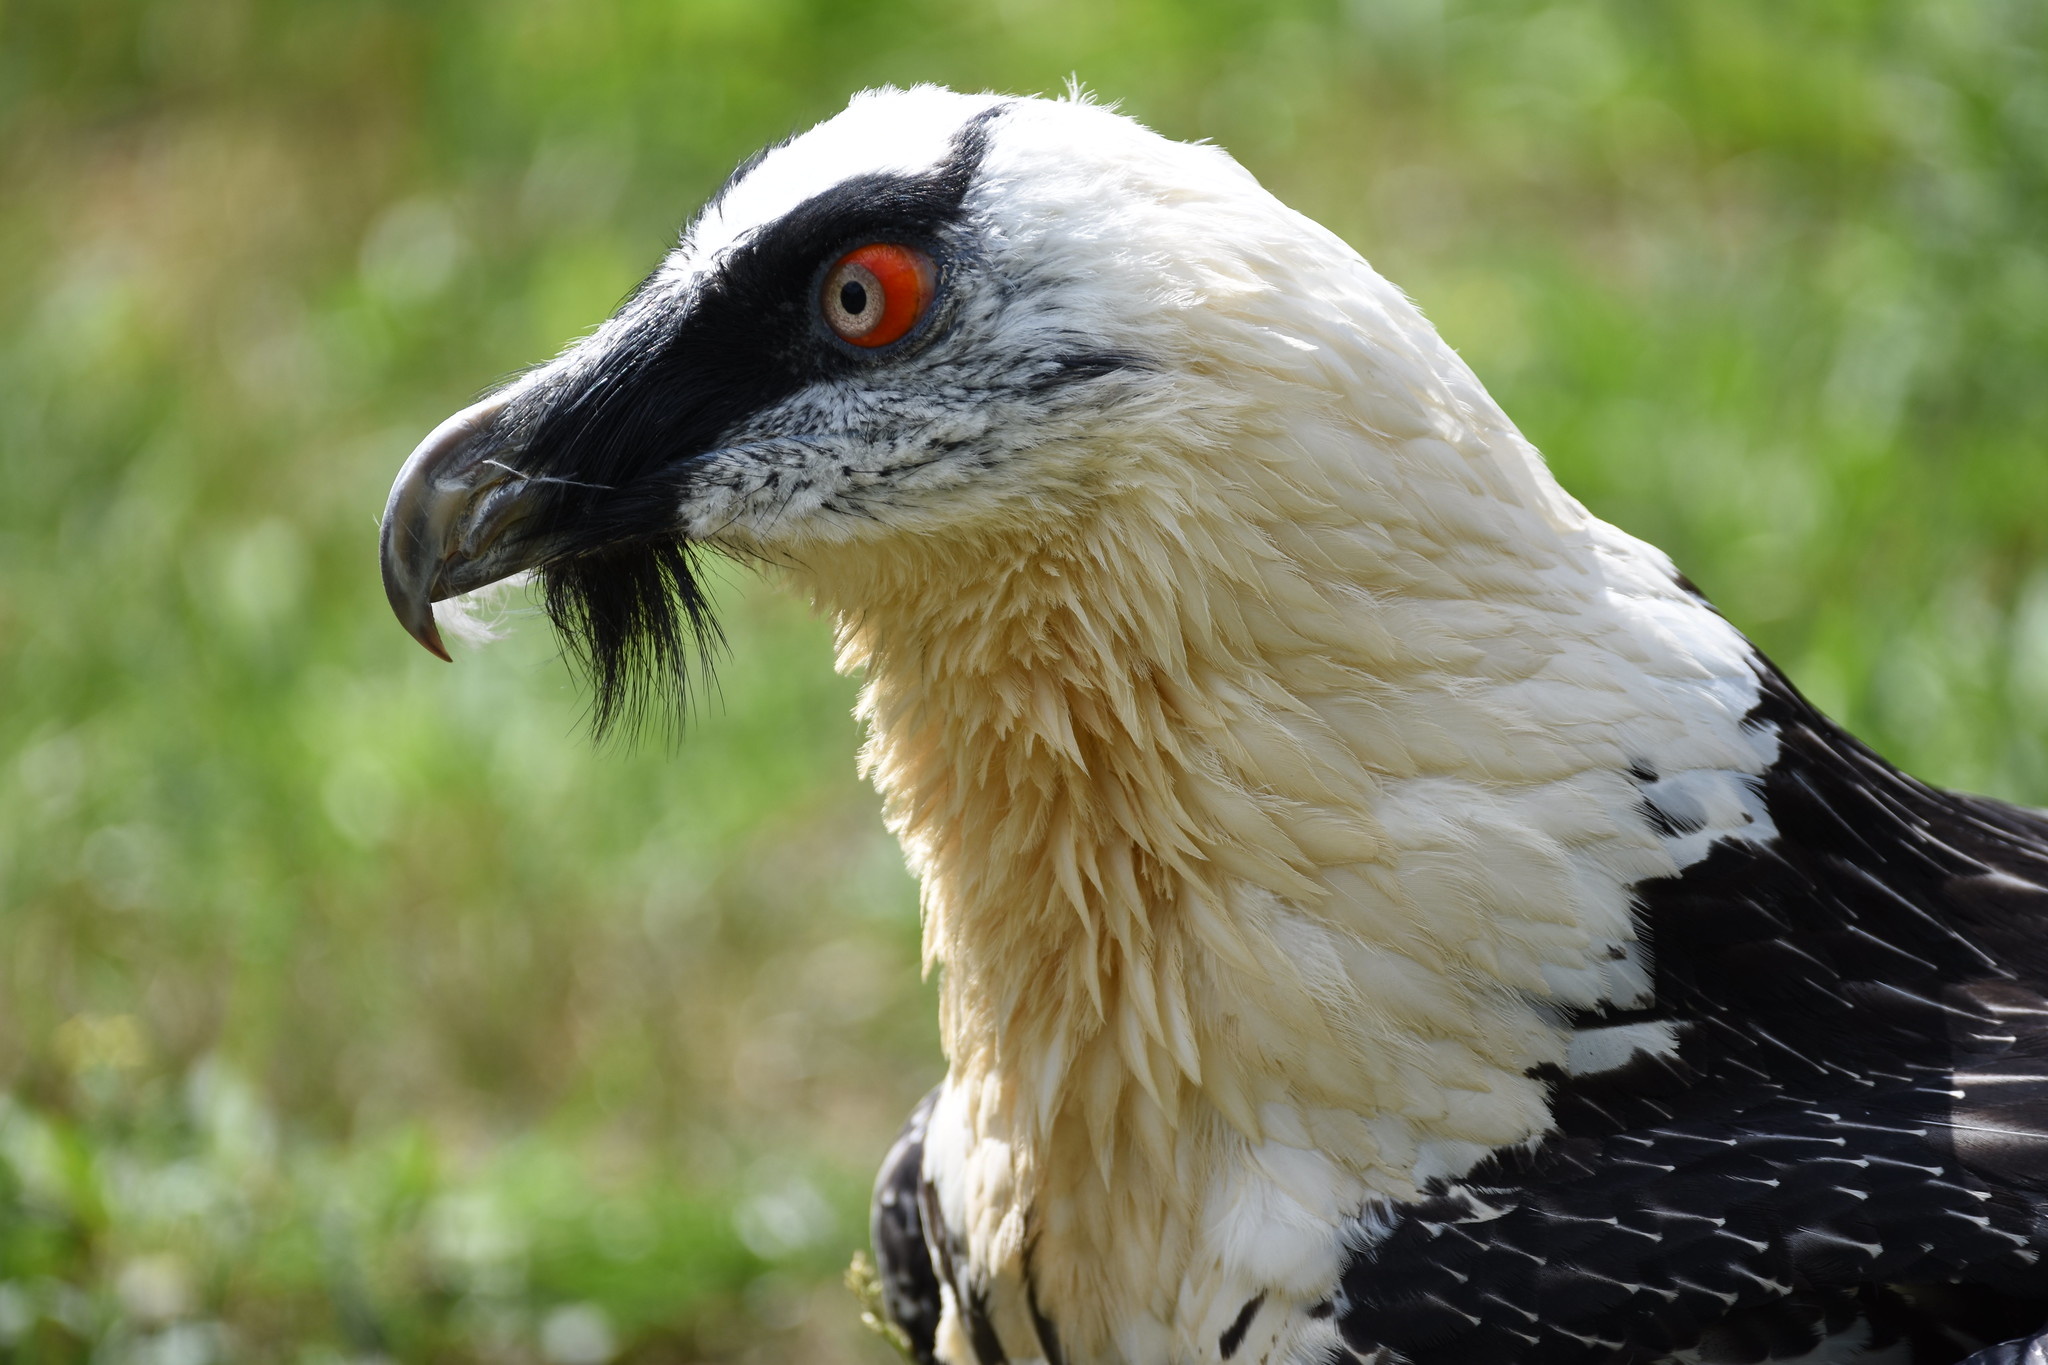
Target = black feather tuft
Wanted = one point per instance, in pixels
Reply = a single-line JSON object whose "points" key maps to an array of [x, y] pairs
{"points": [[637, 621]]}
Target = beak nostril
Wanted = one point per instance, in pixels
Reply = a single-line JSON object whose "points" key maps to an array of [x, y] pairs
{"points": [[498, 508]]}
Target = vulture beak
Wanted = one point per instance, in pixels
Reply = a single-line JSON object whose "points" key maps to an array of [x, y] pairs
{"points": [[455, 520]]}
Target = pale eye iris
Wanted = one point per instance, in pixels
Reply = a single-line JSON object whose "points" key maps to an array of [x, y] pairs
{"points": [[854, 301]]}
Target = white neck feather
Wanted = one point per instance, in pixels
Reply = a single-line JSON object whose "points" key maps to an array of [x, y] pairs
{"points": [[1270, 805]]}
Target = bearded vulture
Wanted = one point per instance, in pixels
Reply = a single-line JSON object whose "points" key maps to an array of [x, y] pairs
{"points": [[1385, 913]]}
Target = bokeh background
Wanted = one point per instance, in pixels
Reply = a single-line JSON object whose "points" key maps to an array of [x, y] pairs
{"points": [[356, 1008]]}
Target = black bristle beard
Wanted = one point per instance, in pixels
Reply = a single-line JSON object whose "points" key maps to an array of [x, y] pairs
{"points": [[636, 621]]}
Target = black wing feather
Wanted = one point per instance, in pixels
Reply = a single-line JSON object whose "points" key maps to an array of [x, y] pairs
{"points": [[910, 1287], [2024, 1351], [1853, 1136]]}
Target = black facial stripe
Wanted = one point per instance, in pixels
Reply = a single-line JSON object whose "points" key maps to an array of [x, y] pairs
{"points": [[681, 369], [687, 371]]}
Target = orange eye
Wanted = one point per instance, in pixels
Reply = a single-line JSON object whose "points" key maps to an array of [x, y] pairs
{"points": [[874, 294]]}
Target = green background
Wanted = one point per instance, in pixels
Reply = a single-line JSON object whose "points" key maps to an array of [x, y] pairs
{"points": [[356, 1007]]}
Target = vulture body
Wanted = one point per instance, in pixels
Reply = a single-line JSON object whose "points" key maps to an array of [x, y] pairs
{"points": [[1384, 913]]}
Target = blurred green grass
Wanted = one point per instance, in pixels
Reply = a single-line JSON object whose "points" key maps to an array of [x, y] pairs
{"points": [[354, 1007]]}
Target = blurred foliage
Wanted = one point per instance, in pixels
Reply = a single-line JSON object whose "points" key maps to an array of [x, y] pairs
{"points": [[353, 1007]]}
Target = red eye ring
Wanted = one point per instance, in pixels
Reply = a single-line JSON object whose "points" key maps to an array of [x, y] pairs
{"points": [[875, 294]]}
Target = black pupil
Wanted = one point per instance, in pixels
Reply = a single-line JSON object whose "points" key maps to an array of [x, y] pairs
{"points": [[853, 297]]}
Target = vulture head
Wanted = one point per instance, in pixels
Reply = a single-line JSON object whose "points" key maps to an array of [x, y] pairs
{"points": [[935, 325]]}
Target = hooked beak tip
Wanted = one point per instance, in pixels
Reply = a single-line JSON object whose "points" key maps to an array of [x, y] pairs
{"points": [[412, 602], [426, 520], [428, 632]]}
